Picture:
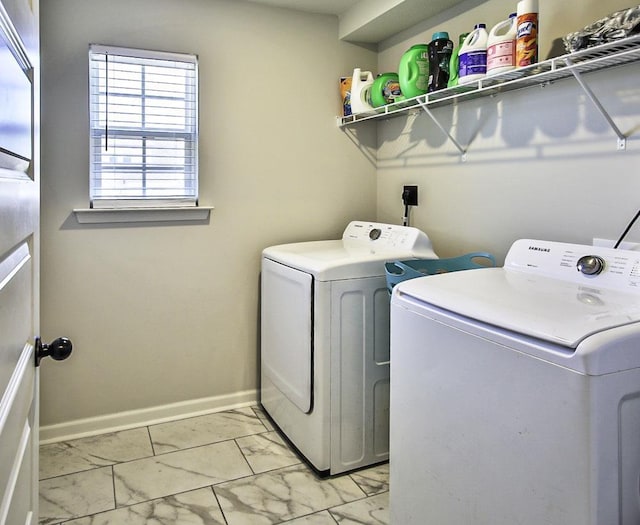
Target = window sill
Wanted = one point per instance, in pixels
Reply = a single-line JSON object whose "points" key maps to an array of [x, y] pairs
{"points": [[111, 215]]}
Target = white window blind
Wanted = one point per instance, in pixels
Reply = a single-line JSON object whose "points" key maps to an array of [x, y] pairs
{"points": [[144, 128]]}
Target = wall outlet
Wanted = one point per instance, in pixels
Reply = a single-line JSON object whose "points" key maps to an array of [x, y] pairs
{"points": [[410, 195], [608, 243]]}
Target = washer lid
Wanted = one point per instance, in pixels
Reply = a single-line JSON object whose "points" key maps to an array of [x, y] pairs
{"points": [[333, 260], [361, 252], [549, 309]]}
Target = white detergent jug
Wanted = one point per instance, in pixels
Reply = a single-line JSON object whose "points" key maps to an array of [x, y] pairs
{"points": [[501, 46], [361, 84], [473, 55]]}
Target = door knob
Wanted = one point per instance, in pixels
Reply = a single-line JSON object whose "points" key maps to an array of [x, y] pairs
{"points": [[59, 349]]}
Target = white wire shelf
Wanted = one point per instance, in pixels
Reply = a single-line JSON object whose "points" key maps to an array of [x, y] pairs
{"points": [[570, 65]]}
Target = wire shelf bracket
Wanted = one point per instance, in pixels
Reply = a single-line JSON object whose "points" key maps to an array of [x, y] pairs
{"points": [[463, 151], [622, 139]]}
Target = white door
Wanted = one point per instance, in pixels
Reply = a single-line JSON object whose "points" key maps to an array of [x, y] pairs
{"points": [[19, 221]]}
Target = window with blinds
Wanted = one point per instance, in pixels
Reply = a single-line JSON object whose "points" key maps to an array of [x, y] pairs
{"points": [[144, 128]]}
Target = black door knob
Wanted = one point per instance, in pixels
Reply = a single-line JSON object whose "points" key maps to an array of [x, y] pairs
{"points": [[59, 349]]}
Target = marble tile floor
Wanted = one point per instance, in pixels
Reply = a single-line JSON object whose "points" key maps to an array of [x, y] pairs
{"points": [[226, 468]]}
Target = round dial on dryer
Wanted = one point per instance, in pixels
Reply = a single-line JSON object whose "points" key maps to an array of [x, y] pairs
{"points": [[375, 234], [590, 265]]}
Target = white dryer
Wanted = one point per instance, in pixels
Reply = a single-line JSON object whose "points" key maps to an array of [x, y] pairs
{"points": [[515, 391], [325, 342]]}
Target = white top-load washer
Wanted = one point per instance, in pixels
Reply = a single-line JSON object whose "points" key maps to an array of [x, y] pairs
{"points": [[515, 391], [325, 342]]}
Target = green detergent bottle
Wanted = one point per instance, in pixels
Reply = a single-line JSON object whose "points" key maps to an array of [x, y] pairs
{"points": [[385, 90], [413, 71], [454, 63]]}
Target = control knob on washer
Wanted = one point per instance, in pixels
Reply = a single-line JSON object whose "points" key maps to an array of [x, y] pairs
{"points": [[590, 265]]}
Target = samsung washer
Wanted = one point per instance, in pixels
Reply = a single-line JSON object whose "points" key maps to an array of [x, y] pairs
{"points": [[325, 342], [515, 391]]}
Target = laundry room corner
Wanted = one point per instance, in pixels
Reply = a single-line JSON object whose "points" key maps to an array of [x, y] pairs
{"points": [[540, 162]]}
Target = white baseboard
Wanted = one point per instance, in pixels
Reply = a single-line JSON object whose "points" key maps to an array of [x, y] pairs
{"points": [[147, 416]]}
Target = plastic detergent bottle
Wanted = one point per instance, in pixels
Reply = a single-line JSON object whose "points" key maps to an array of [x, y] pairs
{"points": [[385, 90], [454, 63], [440, 49], [501, 46], [473, 55], [527, 33], [361, 83], [345, 95], [413, 71]]}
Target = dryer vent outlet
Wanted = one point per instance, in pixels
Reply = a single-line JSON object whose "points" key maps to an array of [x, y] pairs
{"points": [[410, 195]]}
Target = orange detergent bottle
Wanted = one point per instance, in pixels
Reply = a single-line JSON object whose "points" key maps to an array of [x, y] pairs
{"points": [[527, 36]]}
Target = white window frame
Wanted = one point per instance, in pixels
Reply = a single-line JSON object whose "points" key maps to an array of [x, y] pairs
{"points": [[184, 192]]}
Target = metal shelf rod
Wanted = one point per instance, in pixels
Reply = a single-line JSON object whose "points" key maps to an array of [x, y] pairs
{"points": [[622, 140], [426, 109]]}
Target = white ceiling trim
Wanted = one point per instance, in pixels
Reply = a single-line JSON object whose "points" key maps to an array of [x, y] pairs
{"points": [[325, 7], [372, 21], [368, 21]]}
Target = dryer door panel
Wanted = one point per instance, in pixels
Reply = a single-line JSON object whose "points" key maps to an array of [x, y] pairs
{"points": [[287, 321]]}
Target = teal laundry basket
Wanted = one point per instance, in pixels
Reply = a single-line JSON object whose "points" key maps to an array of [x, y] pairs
{"points": [[398, 271]]}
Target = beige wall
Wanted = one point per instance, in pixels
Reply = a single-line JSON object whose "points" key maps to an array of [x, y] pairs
{"points": [[542, 162], [168, 313]]}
